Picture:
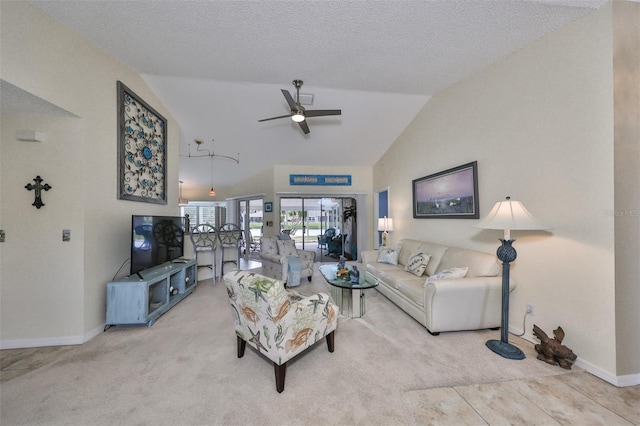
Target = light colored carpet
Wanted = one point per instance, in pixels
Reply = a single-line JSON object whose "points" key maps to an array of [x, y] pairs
{"points": [[184, 370]]}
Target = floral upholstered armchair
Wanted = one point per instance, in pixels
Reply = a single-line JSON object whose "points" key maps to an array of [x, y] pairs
{"points": [[277, 322], [274, 254]]}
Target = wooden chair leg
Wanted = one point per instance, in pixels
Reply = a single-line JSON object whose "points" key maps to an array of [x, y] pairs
{"points": [[241, 346], [330, 341], [281, 371]]}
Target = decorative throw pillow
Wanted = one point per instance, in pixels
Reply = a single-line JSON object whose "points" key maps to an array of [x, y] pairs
{"points": [[389, 255], [287, 248], [417, 263], [448, 274]]}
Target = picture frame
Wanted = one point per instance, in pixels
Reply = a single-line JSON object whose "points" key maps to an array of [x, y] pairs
{"points": [[449, 194], [142, 149], [268, 207]]}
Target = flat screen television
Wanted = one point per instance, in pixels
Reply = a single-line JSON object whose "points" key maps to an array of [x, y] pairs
{"points": [[155, 240]]}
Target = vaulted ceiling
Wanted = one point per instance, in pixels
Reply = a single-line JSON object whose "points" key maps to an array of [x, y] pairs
{"points": [[219, 66]]}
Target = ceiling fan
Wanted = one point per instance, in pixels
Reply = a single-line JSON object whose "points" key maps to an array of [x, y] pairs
{"points": [[298, 113]]}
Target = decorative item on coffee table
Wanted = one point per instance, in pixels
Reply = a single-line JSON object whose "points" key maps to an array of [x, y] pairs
{"points": [[355, 275], [343, 274]]}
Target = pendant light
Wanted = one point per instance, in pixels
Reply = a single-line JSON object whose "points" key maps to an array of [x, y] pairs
{"points": [[202, 152], [212, 192]]}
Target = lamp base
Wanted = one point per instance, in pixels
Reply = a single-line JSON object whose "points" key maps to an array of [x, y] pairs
{"points": [[505, 350]]}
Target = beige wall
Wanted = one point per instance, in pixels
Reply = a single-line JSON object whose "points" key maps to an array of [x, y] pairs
{"points": [[626, 68], [540, 125], [53, 291], [40, 273]]}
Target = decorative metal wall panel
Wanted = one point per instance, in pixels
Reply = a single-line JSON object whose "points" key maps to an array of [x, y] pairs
{"points": [[142, 150]]}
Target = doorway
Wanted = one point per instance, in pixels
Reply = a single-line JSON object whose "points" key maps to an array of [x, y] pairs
{"points": [[250, 216], [326, 225]]}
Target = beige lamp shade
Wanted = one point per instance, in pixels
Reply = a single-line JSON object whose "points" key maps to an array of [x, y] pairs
{"points": [[508, 215], [385, 224]]}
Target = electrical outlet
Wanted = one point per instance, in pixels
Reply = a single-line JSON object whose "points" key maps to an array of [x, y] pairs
{"points": [[530, 309]]}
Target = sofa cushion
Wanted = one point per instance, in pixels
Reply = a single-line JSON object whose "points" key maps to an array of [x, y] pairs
{"points": [[389, 255], [480, 264], [287, 248], [448, 274], [417, 263], [407, 248], [413, 288], [436, 251], [390, 274]]}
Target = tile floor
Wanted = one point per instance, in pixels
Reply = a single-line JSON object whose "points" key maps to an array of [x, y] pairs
{"points": [[566, 399]]}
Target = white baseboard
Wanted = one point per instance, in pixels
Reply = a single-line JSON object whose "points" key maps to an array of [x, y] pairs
{"points": [[50, 341], [618, 381], [93, 333], [628, 380], [39, 342]]}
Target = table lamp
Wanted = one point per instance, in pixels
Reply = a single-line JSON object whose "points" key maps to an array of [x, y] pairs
{"points": [[507, 215], [385, 224]]}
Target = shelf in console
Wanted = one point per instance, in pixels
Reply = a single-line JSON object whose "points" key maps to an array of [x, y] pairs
{"points": [[142, 298]]}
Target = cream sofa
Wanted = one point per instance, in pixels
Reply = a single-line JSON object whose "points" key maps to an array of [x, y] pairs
{"points": [[470, 303], [275, 253]]}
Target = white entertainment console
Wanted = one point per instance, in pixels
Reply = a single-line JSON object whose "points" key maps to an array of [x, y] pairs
{"points": [[141, 299]]}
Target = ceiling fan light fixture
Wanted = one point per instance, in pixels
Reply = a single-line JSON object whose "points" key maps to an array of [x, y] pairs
{"points": [[298, 117]]}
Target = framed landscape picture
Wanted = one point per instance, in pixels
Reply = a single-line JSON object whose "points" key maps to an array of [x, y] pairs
{"points": [[142, 150], [450, 194]]}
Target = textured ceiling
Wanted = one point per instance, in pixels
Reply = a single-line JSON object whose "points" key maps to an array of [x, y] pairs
{"points": [[219, 66]]}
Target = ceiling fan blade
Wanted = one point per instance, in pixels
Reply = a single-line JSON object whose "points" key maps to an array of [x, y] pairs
{"points": [[290, 101], [322, 112], [275, 118], [304, 127]]}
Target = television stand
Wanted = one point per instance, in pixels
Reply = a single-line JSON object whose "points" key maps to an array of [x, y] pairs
{"points": [[141, 298]]}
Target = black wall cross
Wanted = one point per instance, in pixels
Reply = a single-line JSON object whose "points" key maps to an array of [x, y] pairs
{"points": [[38, 187]]}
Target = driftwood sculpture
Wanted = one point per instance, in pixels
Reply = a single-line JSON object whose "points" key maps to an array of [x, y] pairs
{"points": [[552, 351]]}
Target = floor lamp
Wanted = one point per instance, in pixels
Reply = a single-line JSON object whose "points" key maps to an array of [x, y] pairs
{"points": [[385, 224], [507, 215]]}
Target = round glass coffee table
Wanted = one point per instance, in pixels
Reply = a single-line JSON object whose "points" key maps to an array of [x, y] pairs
{"points": [[348, 296]]}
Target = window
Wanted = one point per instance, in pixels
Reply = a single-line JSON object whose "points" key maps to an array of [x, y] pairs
{"points": [[204, 213]]}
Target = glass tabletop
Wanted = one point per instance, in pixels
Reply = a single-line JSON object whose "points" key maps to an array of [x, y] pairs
{"points": [[330, 274]]}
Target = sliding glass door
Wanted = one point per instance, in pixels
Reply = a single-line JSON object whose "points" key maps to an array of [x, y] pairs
{"points": [[325, 225], [250, 215]]}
